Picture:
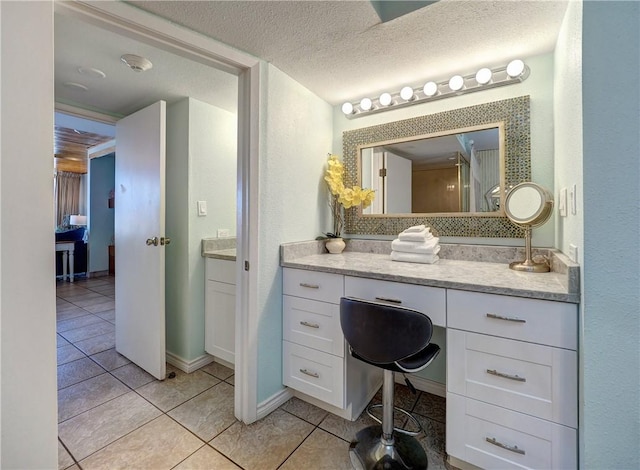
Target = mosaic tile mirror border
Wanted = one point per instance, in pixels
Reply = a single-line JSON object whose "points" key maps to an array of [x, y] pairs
{"points": [[513, 112]]}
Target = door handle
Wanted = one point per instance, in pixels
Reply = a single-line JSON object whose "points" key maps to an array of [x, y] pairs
{"points": [[165, 241], [152, 241]]}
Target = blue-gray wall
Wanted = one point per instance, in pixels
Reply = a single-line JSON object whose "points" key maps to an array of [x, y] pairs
{"points": [[610, 344], [101, 181]]}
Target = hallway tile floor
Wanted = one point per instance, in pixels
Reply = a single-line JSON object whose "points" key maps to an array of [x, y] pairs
{"points": [[113, 415]]}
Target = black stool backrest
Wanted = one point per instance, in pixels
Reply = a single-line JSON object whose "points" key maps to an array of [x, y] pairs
{"points": [[383, 333]]}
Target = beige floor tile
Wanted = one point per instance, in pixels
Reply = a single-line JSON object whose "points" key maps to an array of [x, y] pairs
{"points": [[207, 458], [108, 315], [88, 394], [107, 289], [70, 313], [344, 428], [207, 414], [305, 410], [218, 370], [320, 451], [160, 444], [108, 304], [265, 444], [110, 359], [69, 353], [64, 459], [68, 292], [432, 406], [88, 303], [402, 397], [94, 429], [231, 380], [97, 344], [133, 376], [77, 322], [77, 371], [96, 329], [61, 341], [433, 437], [80, 296], [170, 393]]}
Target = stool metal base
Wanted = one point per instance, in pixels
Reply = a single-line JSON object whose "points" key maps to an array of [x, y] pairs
{"points": [[369, 452]]}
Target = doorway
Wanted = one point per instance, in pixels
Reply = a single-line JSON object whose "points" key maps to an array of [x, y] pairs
{"points": [[129, 22]]}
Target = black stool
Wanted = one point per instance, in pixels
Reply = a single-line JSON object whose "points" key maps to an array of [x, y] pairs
{"points": [[395, 339]]}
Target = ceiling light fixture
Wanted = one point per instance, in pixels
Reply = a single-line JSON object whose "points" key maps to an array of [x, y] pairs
{"points": [[76, 86], [485, 78], [136, 62], [91, 72]]}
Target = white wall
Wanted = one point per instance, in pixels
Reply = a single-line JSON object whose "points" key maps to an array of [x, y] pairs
{"points": [[610, 343], [296, 137], [539, 86], [28, 410], [201, 166]]}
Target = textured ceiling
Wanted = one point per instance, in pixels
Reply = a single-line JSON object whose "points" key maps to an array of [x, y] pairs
{"points": [[342, 51]]}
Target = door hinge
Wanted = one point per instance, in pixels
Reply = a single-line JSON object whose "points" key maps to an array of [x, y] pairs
{"points": [[382, 172], [246, 266]]}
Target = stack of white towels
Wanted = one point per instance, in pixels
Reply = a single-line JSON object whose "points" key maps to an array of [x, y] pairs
{"points": [[416, 245]]}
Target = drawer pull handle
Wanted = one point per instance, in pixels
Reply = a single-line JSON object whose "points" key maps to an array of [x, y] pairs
{"points": [[492, 440], [315, 375], [388, 299], [498, 317], [310, 325], [310, 286], [517, 378]]}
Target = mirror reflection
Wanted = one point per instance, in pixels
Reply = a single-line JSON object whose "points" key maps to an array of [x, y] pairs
{"points": [[461, 172]]}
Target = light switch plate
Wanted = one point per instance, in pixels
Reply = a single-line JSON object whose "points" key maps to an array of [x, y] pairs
{"points": [[223, 232], [562, 203], [572, 198], [202, 208]]}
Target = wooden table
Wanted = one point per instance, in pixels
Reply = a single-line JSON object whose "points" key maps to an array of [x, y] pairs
{"points": [[67, 249]]}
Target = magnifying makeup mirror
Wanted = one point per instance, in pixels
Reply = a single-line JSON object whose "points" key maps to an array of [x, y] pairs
{"points": [[528, 205]]}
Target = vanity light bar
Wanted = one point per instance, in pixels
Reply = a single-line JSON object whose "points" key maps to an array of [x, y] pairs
{"points": [[514, 72]]}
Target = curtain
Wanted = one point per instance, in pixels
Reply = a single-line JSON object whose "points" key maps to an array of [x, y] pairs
{"points": [[67, 195]]}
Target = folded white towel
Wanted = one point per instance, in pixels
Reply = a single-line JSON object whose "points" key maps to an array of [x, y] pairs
{"points": [[416, 236], [415, 228], [413, 257], [428, 247]]}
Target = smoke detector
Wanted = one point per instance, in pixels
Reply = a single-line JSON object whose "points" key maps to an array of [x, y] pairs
{"points": [[136, 63]]}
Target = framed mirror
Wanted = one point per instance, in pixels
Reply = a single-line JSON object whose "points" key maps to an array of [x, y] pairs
{"points": [[459, 171], [509, 118]]}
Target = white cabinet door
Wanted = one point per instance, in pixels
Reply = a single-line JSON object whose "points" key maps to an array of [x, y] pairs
{"points": [[220, 320]]}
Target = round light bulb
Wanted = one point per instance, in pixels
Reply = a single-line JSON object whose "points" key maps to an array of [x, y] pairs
{"points": [[456, 83], [515, 68], [406, 93], [347, 108], [365, 104], [483, 76], [385, 99], [430, 88]]}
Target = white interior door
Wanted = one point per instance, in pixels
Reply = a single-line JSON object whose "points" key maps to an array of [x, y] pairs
{"points": [[398, 184], [139, 218]]}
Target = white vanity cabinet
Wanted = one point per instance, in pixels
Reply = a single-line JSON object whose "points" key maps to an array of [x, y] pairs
{"points": [[220, 308], [512, 379], [315, 361]]}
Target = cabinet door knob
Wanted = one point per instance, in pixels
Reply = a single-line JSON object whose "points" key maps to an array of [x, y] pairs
{"points": [[152, 241]]}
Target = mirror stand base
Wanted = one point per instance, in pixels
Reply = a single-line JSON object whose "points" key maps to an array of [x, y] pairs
{"points": [[529, 266]]}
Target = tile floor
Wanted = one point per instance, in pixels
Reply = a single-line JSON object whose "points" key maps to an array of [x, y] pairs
{"points": [[114, 415]]}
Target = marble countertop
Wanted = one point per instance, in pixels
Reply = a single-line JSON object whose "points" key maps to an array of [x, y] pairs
{"points": [[477, 276], [219, 248]]}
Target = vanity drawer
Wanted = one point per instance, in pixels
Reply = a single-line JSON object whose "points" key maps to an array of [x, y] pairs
{"points": [[313, 372], [530, 378], [313, 324], [220, 270], [314, 285], [428, 300], [536, 321], [492, 437]]}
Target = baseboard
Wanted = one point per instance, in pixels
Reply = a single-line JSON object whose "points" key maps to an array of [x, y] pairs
{"points": [[188, 366], [93, 274], [273, 403], [424, 385]]}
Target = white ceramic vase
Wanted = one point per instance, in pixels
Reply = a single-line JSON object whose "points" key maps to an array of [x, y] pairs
{"points": [[335, 245]]}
